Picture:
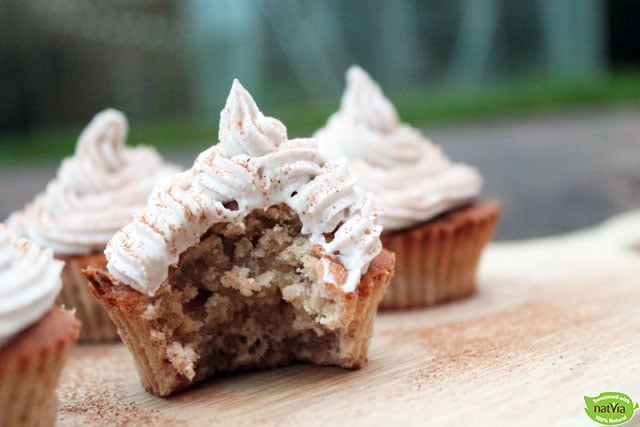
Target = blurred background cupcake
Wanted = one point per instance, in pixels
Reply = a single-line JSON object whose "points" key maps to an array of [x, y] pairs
{"points": [[35, 334], [95, 193], [430, 214]]}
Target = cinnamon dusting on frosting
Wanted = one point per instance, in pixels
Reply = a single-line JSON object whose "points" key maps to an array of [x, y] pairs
{"points": [[253, 166]]}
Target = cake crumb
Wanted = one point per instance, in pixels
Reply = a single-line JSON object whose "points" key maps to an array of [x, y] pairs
{"points": [[183, 359]]}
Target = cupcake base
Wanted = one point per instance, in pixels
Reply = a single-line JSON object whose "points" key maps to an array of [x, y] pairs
{"points": [[128, 307], [30, 366], [436, 261], [245, 298], [75, 294]]}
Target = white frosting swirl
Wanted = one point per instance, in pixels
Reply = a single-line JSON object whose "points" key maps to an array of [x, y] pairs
{"points": [[255, 165], [96, 192], [411, 178], [29, 283]]}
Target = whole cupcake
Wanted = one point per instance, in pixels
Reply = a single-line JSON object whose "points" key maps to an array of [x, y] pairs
{"points": [[431, 217], [95, 193], [35, 335]]}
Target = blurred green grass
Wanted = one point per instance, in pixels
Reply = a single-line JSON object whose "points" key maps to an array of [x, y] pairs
{"points": [[423, 106]]}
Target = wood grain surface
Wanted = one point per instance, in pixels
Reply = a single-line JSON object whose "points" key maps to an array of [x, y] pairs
{"points": [[554, 319]]}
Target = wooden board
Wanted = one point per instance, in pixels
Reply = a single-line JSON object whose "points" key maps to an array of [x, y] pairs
{"points": [[555, 319]]}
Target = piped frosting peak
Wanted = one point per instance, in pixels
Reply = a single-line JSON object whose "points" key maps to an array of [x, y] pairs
{"points": [[101, 144], [256, 166], [365, 104], [244, 129]]}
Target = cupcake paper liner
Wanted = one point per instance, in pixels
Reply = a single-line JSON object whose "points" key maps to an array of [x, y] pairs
{"points": [[436, 261], [96, 324]]}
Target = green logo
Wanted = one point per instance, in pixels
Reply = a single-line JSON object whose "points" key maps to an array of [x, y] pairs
{"points": [[610, 408]]}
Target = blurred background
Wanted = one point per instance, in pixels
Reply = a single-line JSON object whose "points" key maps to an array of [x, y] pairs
{"points": [[543, 96]]}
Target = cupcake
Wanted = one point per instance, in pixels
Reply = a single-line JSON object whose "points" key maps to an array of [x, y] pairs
{"points": [[431, 215], [95, 193], [35, 335], [259, 256]]}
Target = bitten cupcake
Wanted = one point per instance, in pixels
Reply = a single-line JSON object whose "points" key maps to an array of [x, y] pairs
{"points": [[35, 335], [95, 193], [431, 217], [259, 256]]}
